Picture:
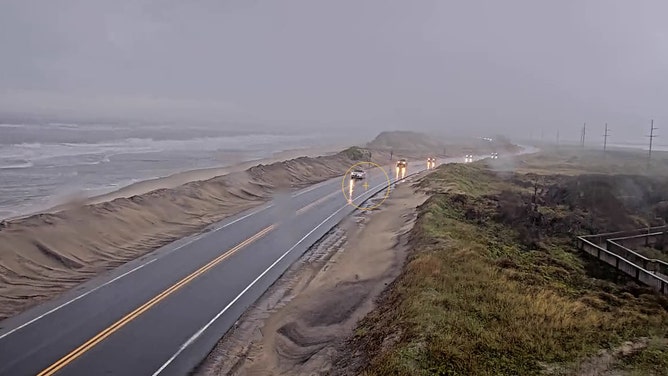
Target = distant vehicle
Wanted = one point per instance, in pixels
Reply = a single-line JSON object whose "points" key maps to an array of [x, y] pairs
{"points": [[495, 156], [431, 162], [358, 174], [402, 163], [468, 158]]}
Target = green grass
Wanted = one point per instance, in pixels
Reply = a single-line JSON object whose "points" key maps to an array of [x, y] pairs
{"points": [[474, 300]]}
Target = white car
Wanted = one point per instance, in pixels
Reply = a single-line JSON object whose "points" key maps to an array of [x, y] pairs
{"points": [[468, 158], [358, 174]]}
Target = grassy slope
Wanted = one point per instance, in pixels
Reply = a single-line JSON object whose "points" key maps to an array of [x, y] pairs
{"points": [[473, 300]]}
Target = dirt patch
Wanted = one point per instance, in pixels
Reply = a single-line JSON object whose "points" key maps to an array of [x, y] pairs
{"points": [[604, 362], [299, 324], [617, 361], [45, 254]]}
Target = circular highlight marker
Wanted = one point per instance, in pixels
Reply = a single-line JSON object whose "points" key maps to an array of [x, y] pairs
{"points": [[349, 198]]}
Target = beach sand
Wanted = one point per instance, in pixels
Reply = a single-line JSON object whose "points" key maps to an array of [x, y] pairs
{"points": [[45, 254], [177, 179]]}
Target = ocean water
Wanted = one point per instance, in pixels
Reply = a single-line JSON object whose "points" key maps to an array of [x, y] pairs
{"points": [[43, 165]]}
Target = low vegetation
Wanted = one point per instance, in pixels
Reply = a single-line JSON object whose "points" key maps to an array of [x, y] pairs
{"points": [[355, 153], [654, 252], [494, 285]]}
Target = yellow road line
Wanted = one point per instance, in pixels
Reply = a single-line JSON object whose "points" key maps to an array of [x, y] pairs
{"points": [[64, 361], [55, 367]]}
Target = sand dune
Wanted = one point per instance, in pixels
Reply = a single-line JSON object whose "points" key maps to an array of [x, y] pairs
{"points": [[45, 254], [175, 180]]}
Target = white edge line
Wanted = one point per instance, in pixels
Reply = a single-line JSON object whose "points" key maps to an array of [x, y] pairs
{"points": [[124, 275], [75, 299], [197, 334], [165, 254], [197, 237]]}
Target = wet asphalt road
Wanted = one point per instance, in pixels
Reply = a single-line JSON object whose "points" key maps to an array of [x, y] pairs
{"points": [[162, 313]]}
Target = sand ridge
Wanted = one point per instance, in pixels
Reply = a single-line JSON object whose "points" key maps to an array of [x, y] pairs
{"points": [[45, 254], [181, 178]]}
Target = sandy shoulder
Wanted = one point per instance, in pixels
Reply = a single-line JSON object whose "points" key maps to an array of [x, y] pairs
{"points": [[296, 327], [45, 254]]}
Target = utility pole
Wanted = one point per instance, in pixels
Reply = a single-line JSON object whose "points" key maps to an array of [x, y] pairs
{"points": [[584, 133], [605, 137], [651, 137], [541, 135], [557, 138]]}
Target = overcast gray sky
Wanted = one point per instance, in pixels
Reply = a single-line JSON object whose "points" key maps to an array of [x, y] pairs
{"points": [[480, 65]]}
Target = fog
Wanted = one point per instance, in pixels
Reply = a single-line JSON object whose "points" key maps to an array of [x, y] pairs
{"points": [[519, 67]]}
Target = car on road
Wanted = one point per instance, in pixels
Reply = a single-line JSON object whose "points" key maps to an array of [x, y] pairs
{"points": [[495, 156], [358, 174], [402, 163], [468, 158], [431, 162]]}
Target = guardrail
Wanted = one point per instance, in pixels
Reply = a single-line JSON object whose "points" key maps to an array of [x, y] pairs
{"points": [[616, 256]]}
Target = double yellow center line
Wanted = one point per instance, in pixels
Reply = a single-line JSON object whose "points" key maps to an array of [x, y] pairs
{"points": [[55, 367], [64, 361]]}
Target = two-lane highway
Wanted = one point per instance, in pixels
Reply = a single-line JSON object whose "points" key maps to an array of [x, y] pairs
{"points": [[162, 313]]}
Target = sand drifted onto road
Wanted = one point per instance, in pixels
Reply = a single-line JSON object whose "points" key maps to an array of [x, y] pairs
{"points": [[299, 324], [45, 254]]}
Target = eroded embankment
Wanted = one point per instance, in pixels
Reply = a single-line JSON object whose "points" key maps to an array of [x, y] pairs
{"points": [[299, 324], [44, 255], [493, 285]]}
